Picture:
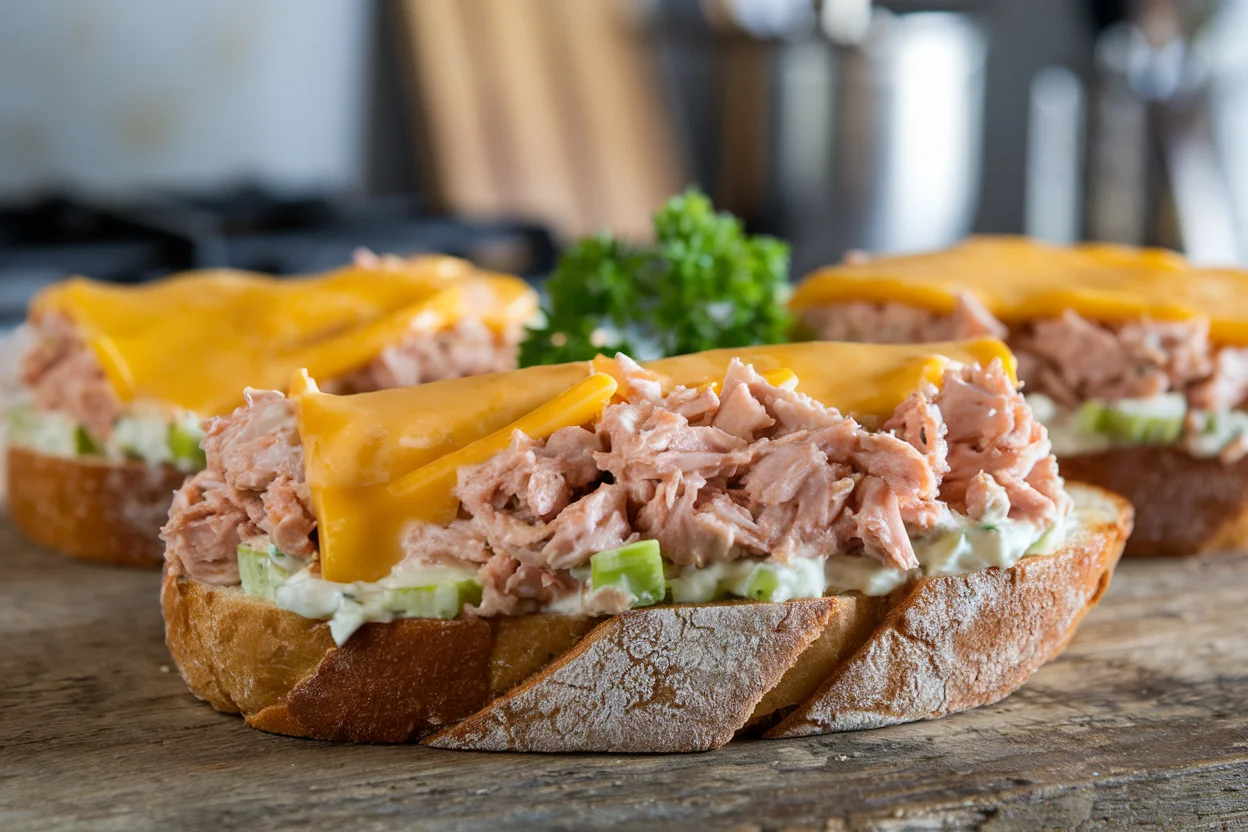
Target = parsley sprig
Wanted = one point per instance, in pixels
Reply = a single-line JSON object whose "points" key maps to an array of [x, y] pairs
{"points": [[703, 284]]}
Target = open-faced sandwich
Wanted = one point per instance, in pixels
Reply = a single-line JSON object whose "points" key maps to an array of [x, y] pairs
{"points": [[777, 540], [1136, 361], [118, 378]]}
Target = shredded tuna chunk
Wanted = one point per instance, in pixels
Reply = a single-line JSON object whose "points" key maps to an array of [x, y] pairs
{"points": [[740, 413], [204, 530], [254, 485], [467, 349], [878, 524], [63, 374], [457, 543], [899, 323], [1069, 358], [767, 472], [520, 502], [800, 494], [986, 500], [510, 587], [1073, 359], [1227, 387], [764, 472], [991, 430], [919, 421]]}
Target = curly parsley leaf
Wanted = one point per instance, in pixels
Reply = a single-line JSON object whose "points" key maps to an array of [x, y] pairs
{"points": [[703, 284]]}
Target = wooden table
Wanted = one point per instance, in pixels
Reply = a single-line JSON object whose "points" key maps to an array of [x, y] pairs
{"points": [[1143, 724]]}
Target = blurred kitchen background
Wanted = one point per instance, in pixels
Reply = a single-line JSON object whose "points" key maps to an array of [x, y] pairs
{"points": [[139, 137]]}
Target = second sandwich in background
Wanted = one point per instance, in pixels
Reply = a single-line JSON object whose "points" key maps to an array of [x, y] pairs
{"points": [[1135, 360], [117, 378]]}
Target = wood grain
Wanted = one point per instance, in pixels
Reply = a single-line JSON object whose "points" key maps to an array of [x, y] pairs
{"points": [[1141, 724], [547, 109]]}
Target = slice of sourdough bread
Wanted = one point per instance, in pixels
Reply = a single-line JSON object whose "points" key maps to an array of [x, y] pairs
{"points": [[1184, 505], [92, 508], [674, 678]]}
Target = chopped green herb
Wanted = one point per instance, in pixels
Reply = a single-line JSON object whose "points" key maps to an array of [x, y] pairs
{"points": [[703, 284]]}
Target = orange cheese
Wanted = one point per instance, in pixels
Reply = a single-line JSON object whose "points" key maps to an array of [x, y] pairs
{"points": [[1019, 279], [196, 340], [427, 490], [376, 462]]}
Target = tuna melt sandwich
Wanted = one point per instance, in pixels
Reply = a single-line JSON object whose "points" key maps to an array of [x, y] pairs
{"points": [[118, 378], [604, 556], [1136, 361]]}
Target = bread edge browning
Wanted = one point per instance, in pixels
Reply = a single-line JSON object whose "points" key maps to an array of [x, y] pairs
{"points": [[1184, 505], [953, 643], [94, 509], [658, 679]]}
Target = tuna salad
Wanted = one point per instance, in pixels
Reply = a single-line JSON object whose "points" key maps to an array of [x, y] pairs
{"points": [[742, 489], [71, 409], [1095, 385]]}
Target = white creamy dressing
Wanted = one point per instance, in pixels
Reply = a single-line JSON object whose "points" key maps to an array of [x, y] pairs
{"points": [[51, 433], [1067, 436], [348, 606], [142, 433], [1215, 430], [961, 546], [799, 578]]}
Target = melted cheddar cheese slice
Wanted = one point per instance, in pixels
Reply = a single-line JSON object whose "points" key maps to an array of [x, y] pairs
{"points": [[377, 462], [195, 340], [1019, 280]]}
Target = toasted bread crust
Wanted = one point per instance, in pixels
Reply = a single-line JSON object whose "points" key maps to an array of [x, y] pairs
{"points": [[666, 680], [1183, 505], [650, 680], [958, 642], [389, 683], [92, 508]]}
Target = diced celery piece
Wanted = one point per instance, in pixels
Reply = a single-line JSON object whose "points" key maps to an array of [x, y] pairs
{"points": [[1090, 418], [637, 569], [84, 445], [184, 445], [940, 553], [21, 420], [1213, 422], [764, 583], [444, 600], [1048, 541], [1122, 426], [257, 571], [1155, 423], [1165, 431]]}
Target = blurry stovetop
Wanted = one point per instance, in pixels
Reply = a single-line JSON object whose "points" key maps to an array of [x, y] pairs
{"points": [[55, 237]]}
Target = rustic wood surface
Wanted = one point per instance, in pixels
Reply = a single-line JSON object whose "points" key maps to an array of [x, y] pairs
{"points": [[1142, 724]]}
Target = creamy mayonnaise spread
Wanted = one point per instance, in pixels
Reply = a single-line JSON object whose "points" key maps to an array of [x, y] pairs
{"points": [[957, 548]]}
